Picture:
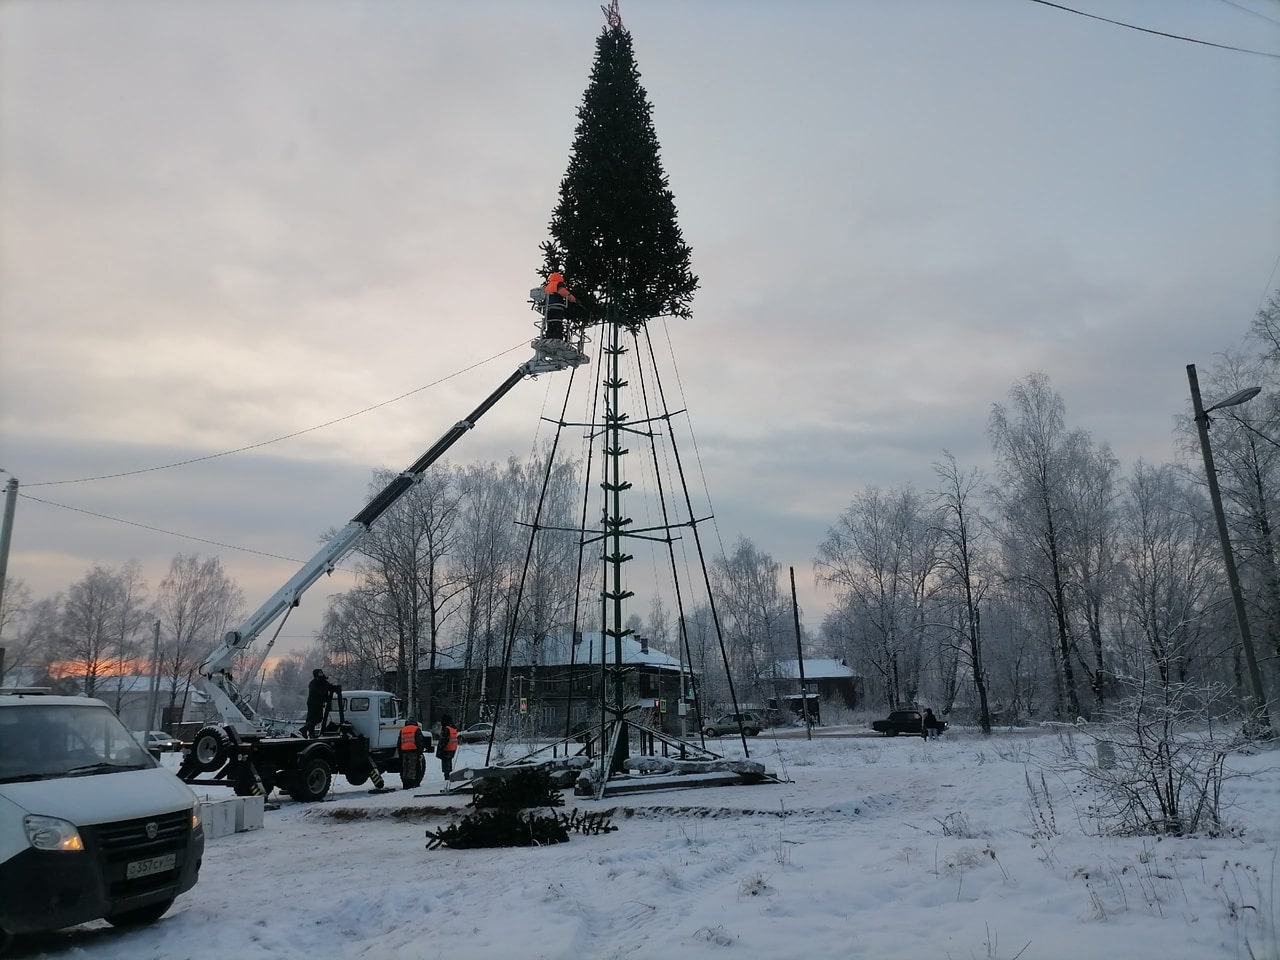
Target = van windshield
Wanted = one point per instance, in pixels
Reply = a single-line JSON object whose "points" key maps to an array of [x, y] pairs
{"points": [[46, 741]]}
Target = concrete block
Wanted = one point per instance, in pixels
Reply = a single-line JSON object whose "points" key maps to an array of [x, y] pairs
{"points": [[249, 813], [218, 817]]}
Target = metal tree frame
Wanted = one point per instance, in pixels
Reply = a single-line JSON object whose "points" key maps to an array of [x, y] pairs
{"points": [[611, 744]]}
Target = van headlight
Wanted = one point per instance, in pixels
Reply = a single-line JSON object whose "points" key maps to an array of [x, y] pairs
{"points": [[51, 833], [195, 816]]}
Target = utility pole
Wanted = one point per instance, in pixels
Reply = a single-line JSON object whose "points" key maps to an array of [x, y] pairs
{"points": [[6, 531], [804, 696], [155, 680], [1262, 716]]}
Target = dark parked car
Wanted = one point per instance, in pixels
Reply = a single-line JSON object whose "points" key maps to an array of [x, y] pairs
{"points": [[910, 722], [728, 724]]}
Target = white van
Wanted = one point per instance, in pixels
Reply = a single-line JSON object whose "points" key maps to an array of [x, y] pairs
{"points": [[91, 827]]}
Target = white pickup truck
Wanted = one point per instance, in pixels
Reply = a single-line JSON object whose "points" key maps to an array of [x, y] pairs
{"points": [[91, 827]]}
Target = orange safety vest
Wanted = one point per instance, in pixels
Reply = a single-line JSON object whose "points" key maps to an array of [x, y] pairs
{"points": [[450, 739], [409, 737], [556, 284]]}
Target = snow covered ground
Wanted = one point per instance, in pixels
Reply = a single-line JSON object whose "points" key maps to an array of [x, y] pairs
{"points": [[871, 848]]}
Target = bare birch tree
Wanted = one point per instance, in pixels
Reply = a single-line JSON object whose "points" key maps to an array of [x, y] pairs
{"points": [[754, 613], [1033, 450], [88, 645], [196, 604], [961, 555], [1170, 572], [881, 559]]}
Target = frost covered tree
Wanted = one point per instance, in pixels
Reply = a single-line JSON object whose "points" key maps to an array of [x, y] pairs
{"points": [[409, 586], [755, 613], [1169, 575], [881, 559], [486, 560], [1035, 453], [613, 231], [961, 556], [1247, 456]]}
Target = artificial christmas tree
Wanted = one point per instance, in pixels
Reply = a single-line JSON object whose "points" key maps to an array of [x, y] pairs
{"points": [[613, 232]]}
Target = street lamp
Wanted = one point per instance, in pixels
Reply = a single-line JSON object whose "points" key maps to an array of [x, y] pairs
{"points": [[1215, 496]]}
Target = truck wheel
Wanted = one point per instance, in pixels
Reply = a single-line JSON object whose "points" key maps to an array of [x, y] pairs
{"points": [[312, 780], [141, 916], [210, 749], [359, 772]]}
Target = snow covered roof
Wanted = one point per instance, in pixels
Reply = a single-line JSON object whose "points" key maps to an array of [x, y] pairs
{"points": [[135, 683], [140, 685], [819, 669]]}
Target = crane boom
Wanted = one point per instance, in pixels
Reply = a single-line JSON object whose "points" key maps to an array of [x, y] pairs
{"points": [[215, 674]]}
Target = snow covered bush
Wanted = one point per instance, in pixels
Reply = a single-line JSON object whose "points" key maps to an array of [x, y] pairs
{"points": [[1161, 765]]}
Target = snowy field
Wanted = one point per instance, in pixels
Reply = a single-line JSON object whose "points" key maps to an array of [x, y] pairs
{"points": [[870, 848]]}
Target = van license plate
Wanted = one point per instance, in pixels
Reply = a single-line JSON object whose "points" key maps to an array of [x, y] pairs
{"points": [[142, 868]]}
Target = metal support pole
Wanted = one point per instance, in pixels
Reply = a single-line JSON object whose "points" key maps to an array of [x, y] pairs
{"points": [[6, 531], [155, 681], [1233, 578], [804, 695]]}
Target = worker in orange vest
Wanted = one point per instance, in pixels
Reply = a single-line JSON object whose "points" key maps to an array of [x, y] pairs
{"points": [[560, 307], [447, 747], [558, 299], [412, 747]]}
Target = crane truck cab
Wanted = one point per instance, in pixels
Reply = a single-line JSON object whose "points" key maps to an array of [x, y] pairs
{"points": [[91, 827]]}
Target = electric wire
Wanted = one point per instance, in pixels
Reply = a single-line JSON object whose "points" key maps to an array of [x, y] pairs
{"points": [[1242, 7], [1158, 33], [170, 533], [218, 543], [1252, 429], [287, 436]]}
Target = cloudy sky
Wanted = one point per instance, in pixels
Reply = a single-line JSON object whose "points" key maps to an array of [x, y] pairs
{"points": [[221, 224]]}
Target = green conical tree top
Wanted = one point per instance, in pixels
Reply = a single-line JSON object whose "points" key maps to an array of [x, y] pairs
{"points": [[613, 232]]}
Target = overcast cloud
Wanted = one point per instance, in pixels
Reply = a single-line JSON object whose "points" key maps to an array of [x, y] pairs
{"points": [[224, 223]]}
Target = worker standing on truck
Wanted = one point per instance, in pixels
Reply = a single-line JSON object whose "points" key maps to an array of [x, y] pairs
{"points": [[318, 691], [413, 746], [447, 747]]}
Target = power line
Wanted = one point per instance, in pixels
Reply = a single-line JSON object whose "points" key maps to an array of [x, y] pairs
{"points": [[143, 526], [1158, 33], [1252, 429], [1241, 6], [264, 443], [170, 533]]}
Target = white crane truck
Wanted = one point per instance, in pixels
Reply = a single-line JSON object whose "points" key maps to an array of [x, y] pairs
{"points": [[239, 750]]}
